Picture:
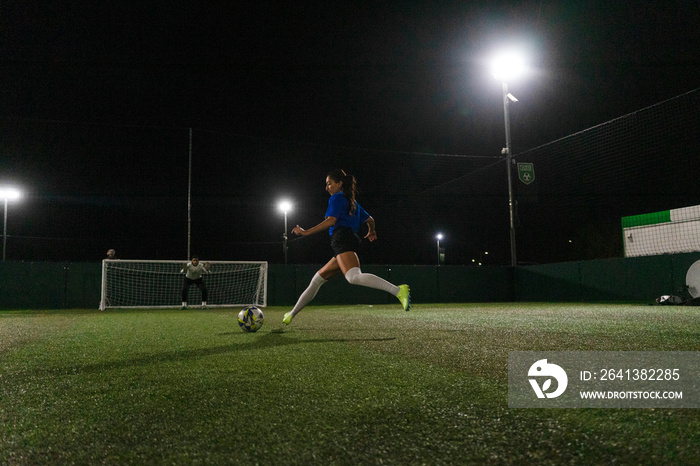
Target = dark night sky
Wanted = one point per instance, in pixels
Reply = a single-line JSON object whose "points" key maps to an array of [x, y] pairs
{"points": [[96, 99]]}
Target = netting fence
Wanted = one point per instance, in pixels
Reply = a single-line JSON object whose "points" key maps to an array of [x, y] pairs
{"points": [[128, 190], [640, 163]]}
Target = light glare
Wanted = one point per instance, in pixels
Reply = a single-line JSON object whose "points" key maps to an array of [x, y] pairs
{"points": [[285, 206], [9, 193], [507, 66]]}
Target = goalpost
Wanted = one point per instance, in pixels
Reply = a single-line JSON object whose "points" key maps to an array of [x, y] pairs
{"points": [[158, 284]]}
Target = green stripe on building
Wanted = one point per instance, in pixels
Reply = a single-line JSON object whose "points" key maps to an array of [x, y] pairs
{"points": [[646, 219]]}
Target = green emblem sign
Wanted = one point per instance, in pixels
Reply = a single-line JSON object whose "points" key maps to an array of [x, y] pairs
{"points": [[526, 172]]}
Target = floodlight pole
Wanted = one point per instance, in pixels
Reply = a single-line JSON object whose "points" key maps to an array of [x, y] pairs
{"points": [[189, 199], [4, 232], [438, 238], [6, 194], [509, 161], [438, 251], [285, 247], [285, 206]]}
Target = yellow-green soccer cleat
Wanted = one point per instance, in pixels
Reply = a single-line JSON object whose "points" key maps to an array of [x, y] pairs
{"points": [[405, 297], [288, 318]]}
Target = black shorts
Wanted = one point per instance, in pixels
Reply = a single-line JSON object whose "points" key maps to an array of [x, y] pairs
{"points": [[343, 240]]}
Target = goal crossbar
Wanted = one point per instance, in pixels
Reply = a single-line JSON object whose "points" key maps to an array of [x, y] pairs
{"points": [[159, 283]]}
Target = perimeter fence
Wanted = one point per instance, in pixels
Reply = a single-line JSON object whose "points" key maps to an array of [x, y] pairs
{"points": [[131, 187]]}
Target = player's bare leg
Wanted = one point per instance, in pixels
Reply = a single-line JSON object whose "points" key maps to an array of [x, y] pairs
{"points": [[350, 265]]}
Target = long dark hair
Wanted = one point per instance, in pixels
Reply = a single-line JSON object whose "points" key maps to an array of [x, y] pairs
{"points": [[349, 188]]}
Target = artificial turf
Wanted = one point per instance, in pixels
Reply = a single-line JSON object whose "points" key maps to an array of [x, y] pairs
{"points": [[341, 385]]}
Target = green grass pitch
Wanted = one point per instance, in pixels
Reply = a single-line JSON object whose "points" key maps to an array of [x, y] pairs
{"points": [[341, 385]]}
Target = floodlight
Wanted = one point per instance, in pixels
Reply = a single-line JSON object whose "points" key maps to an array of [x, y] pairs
{"points": [[10, 194], [507, 66], [284, 206]]}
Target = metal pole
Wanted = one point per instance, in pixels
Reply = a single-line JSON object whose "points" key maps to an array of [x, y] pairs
{"points": [[284, 236], [189, 200], [438, 251], [509, 162], [4, 233]]}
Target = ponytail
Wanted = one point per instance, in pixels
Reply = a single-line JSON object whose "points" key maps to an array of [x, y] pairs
{"points": [[349, 188]]}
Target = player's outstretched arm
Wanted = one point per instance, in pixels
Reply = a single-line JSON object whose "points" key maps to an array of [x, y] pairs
{"points": [[324, 225]]}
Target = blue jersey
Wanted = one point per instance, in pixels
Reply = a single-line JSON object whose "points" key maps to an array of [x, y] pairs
{"points": [[339, 207]]}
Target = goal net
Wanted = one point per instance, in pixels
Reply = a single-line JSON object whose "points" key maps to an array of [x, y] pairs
{"points": [[158, 284]]}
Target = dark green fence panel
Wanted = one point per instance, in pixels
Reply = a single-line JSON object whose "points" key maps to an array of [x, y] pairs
{"points": [[475, 284], [634, 279], [281, 285], [45, 285], [549, 282], [49, 285], [83, 285], [32, 285]]}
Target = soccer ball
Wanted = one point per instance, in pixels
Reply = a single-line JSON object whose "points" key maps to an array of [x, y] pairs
{"points": [[250, 319]]}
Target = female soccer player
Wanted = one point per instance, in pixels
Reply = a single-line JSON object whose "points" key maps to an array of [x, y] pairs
{"points": [[193, 275], [343, 219]]}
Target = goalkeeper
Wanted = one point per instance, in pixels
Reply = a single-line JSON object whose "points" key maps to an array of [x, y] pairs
{"points": [[193, 271]]}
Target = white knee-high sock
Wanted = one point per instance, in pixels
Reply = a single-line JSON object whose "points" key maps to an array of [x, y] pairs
{"points": [[355, 276], [309, 293]]}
